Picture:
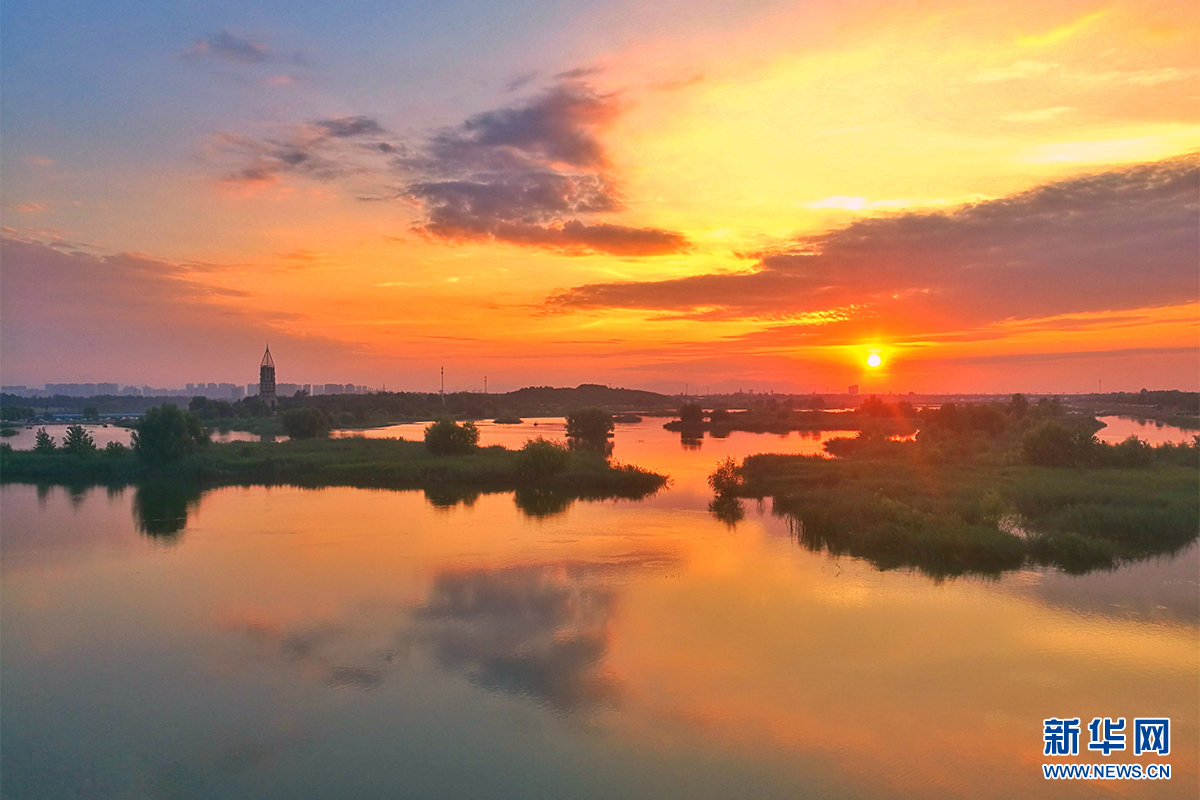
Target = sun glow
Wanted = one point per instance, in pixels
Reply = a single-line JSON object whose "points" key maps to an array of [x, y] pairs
{"points": [[874, 360]]}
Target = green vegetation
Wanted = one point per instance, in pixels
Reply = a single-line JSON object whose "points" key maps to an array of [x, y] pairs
{"points": [[589, 423], [43, 442], [166, 433], [78, 441], [540, 458], [981, 489], [351, 461], [445, 437], [1181, 409], [787, 416], [691, 414], [11, 412], [305, 423], [726, 479]]}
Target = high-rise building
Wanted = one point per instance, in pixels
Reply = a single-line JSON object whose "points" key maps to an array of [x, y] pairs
{"points": [[853, 390], [266, 379]]}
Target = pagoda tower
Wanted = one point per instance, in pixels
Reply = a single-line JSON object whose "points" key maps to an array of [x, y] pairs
{"points": [[266, 379]]}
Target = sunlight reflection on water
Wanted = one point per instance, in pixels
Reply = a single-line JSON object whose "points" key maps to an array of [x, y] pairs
{"points": [[284, 642]]}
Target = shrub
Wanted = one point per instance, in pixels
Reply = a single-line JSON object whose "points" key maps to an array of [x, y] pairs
{"points": [[78, 440], [726, 478], [1132, 452], [1052, 444], [590, 423], [44, 442], [167, 433], [540, 458], [114, 448], [305, 423], [445, 437]]}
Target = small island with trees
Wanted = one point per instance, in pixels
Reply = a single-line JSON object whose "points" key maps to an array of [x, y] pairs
{"points": [[981, 488], [170, 444]]}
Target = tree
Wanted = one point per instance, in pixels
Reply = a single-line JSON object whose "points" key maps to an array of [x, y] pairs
{"points": [[1019, 405], [305, 423], [590, 423], [78, 441], [691, 414], [445, 437], [16, 412], [44, 442], [91, 413], [252, 406], [166, 433]]}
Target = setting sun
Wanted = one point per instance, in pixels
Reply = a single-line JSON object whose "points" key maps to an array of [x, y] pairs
{"points": [[874, 360]]}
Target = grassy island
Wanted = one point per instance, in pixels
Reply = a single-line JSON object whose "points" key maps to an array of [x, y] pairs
{"points": [[353, 461], [171, 445], [694, 421], [981, 489]]}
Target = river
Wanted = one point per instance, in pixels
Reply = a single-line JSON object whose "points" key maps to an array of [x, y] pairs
{"points": [[297, 643]]}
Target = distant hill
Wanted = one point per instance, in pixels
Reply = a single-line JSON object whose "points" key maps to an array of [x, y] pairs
{"points": [[590, 394]]}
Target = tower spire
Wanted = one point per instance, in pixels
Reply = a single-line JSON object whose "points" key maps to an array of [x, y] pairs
{"points": [[266, 379]]}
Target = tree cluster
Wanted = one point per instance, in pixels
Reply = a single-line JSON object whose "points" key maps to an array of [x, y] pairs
{"points": [[589, 423], [445, 437], [167, 433], [305, 423]]}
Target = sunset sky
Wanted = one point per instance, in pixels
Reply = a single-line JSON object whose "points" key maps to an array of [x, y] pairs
{"points": [[991, 197]]}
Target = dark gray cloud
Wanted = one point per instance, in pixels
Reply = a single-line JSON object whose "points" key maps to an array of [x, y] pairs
{"points": [[578, 73], [347, 127], [324, 150], [525, 174], [1117, 240], [535, 630], [521, 81], [557, 128], [234, 49], [533, 174]]}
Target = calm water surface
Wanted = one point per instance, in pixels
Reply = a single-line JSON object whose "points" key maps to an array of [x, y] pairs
{"points": [[103, 434], [288, 643]]}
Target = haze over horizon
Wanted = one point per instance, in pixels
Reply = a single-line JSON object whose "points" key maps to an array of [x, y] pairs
{"points": [[991, 198]]}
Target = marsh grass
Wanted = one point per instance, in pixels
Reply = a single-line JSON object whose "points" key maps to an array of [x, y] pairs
{"points": [[952, 519]]}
